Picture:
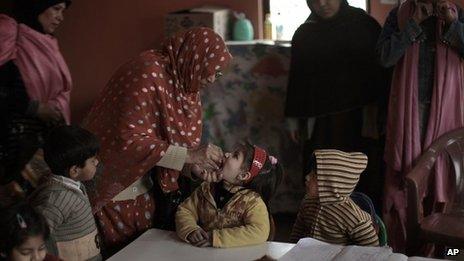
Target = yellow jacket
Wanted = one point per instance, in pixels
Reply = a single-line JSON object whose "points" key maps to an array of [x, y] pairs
{"points": [[244, 220]]}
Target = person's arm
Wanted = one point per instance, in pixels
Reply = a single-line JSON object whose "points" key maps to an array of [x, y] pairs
{"points": [[187, 216], [292, 128], [52, 211], [136, 133], [454, 35], [392, 43], [364, 234], [13, 92], [203, 161], [291, 123], [61, 102], [55, 208], [52, 215], [174, 158], [255, 230], [299, 227]]}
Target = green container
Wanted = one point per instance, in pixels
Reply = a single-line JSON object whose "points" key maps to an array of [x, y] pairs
{"points": [[243, 30]]}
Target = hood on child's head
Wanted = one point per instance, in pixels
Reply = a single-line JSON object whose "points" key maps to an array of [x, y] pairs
{"points": [[337, 174]]}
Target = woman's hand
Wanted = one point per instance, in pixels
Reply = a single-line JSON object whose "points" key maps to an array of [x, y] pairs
{"points": [[204, 174], [423, 11], [294, 136], [48, 113], [446, 12], [207, 156]]}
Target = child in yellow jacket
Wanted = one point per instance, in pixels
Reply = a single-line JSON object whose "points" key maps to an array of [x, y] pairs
{"points": [[232, 212]]}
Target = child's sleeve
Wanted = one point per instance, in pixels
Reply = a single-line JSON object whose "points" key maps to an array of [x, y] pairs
{"points": [[56, 207], [187, 215], [298, 230], [52, 215], [364, 234], [255, 230]]}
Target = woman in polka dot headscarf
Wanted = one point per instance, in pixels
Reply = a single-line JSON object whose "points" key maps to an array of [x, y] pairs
{"points": [[148, 119]]}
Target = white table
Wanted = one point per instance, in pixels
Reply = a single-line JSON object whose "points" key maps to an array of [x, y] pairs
{"points": [[158, 244]]}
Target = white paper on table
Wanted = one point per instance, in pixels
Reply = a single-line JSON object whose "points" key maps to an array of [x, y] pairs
{"points": [[310, 249], [369, 253]]}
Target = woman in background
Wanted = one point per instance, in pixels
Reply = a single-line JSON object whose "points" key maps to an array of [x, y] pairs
{"points": [[35, 82], [424, 40], [336, 87]]}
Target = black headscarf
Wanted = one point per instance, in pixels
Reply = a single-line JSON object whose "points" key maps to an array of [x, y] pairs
{"points": [[315, 17], [28, 11], [333, 64]]}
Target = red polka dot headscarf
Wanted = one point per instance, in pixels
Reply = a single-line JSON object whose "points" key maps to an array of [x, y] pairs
{"points": [[194, 55]]}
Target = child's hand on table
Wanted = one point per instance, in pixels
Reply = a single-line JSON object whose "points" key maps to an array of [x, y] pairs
{"points": [[200, 238]]}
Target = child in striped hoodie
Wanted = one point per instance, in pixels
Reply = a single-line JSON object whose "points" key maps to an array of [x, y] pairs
{"points": [[327, 212]]}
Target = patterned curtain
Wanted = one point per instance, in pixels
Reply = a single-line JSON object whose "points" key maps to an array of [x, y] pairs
{"points": [[248, 103]]}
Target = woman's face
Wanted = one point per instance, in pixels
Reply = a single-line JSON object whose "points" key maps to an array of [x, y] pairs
{"points": [[52, 17], [33, 249], [325, 8]]}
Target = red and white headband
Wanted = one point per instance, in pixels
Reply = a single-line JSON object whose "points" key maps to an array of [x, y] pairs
{"points": [[259, 159]]}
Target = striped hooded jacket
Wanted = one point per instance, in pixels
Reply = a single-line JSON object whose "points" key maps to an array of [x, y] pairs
{"points": [[332, 216]]}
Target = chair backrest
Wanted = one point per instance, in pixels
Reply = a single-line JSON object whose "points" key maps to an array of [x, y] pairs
{"points": [[382, 234], [365, 203], [450, 144]]}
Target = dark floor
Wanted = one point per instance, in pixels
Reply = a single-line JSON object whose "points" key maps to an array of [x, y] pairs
{"points": [[284, 223]]}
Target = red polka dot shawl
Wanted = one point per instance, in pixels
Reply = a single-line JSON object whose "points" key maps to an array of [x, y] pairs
{"points": [[152, 102]]}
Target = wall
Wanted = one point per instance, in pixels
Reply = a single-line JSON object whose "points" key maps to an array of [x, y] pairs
{"points": [[380, 11], [97, 36]]}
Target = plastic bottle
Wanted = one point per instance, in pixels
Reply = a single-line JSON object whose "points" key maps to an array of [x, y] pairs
{"points": [[279, 27], [268, 27]]}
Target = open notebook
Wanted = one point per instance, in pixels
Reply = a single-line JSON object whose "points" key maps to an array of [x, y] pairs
{"points": [[309, 249]]}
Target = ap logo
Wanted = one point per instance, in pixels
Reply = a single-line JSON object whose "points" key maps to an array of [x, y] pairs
{"points": [[452, 252]]}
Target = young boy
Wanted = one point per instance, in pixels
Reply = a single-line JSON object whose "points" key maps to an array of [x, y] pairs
{"points": [[327, 212], [70, 152]]}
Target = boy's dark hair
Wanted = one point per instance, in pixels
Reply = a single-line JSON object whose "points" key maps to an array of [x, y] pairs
{"points": [[17, 223], [268, 178], [67, 146]]}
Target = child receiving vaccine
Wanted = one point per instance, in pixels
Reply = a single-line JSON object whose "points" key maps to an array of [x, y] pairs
{"points": [[233, 212]]}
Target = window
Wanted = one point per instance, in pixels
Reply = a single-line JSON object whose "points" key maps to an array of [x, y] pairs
{"points": [[292, 13]]}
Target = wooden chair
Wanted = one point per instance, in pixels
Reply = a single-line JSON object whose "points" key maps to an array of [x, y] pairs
{"points": [[447, 228]]}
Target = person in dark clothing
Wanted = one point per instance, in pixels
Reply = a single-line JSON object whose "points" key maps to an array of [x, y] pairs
{"points": [[35, 82], [336, 88]]}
